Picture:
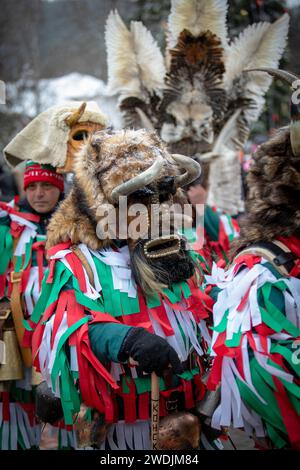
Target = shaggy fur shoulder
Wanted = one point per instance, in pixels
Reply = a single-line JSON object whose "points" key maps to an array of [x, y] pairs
{"points": [[69, 223], [273, 205]]}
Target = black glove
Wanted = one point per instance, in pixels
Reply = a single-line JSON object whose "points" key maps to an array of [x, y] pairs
{"points": [[47, 406], [150, 351]]}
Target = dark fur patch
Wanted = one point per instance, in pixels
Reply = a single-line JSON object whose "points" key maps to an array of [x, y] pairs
{"points": [[273, 203], [167, 270], [81, 202]]}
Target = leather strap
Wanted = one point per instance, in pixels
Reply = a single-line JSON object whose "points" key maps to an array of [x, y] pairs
{"points": [[275, 252], [4, 314]]}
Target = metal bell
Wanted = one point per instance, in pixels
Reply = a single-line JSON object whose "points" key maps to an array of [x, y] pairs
{"points": [[210, 402], [207, 406], [12, 368]]}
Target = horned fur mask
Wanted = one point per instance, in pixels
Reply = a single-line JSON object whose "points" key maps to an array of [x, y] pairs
{"points": [[132, 167]]}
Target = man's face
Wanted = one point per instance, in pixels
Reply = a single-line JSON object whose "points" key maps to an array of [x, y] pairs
{"points": [[42, 196], [197, 194]]}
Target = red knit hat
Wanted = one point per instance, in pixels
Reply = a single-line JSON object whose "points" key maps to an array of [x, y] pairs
{"points": [[35, 172]]}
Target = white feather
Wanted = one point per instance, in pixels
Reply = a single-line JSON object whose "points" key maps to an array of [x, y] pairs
{"points": [[226, 135], [122, 70], [145, 121], [224, 182], [198, 16], [259, 45], [135, 63], [150, 60]]}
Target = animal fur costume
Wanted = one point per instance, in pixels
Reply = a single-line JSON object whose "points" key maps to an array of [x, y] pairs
{"points": [[54, 136], [88, 309], [196, 97], [256, 335], [22, 255]]}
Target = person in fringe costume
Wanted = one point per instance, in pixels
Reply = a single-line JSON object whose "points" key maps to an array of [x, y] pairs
{"points": [[256, 331], [105, 301], [212, 238], [22, 265], [52, 137]]}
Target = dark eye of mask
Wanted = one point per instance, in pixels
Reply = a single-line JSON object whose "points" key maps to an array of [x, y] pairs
{"points": [[80, 135]]}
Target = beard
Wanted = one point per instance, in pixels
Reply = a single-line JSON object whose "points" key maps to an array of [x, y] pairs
{"points": [[154, 275]]}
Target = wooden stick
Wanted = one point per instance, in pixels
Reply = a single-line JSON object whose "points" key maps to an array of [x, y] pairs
{"points": [[154, 406], [154, 410]]}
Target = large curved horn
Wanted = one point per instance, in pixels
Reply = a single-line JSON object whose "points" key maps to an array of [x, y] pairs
{"points": [[295, 129], [138, 181], [289, 78], [76, 115], [193, 169]]}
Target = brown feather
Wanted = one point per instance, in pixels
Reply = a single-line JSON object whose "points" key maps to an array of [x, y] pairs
{"points": [[205, 49]]}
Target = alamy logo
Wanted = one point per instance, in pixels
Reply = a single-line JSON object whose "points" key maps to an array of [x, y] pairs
{"points": [[296, 354], [138, 221], [296, 94]]}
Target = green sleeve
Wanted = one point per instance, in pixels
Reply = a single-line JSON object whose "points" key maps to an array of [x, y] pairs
{"points": [[6, 244], [106, 340], [212, 223]]}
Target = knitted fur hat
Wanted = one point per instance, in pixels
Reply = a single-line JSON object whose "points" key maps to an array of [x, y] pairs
{"points": [[35, 172]]}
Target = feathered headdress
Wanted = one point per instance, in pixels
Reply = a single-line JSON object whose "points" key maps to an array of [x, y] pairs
{"points": [[198, 99]]}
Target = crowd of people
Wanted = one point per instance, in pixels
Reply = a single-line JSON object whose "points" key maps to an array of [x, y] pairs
{"points": [[77, 312]]}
